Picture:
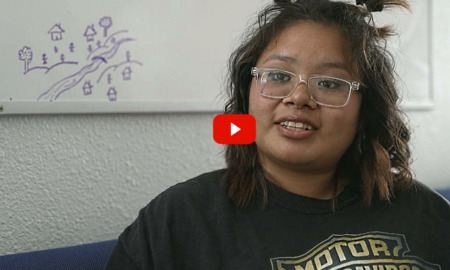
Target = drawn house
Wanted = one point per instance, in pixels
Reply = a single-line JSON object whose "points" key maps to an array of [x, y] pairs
{"points": [[112, 94], [87, 88], [56, 32], [126, 74], [90, 33]]}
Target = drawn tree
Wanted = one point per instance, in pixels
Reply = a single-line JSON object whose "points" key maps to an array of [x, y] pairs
{"points": [[26, 55], [106, 23]]}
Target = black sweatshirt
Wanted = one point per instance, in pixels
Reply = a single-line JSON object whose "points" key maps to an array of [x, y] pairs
{"points": [[193, 225]]}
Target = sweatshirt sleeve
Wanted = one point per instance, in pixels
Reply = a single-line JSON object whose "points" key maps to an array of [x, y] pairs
{"points": [[120, 259], [146, 243], [173, 229]]}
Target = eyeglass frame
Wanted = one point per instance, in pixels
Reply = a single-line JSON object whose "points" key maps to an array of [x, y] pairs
{"points": [[353, 85]]}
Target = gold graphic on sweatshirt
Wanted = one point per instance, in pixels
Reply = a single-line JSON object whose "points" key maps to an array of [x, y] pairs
{"points": [[368, 251]]}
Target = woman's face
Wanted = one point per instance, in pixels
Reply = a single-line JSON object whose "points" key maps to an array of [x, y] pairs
{"points": [[305, 48]]}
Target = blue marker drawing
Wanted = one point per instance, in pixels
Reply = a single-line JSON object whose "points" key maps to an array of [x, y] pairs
{"points": [[44, 59], [114, 67], [26, 55], [87, 88], [112, 39], [69, 82], [126, 74], [112, 94], [106, 23], [48, 69], [102, 53], [109, 41], [100, 58], [56, 32], [90, 33]]}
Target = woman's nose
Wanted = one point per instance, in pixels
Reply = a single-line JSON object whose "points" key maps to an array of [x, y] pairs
{"points": [[300, 96]]}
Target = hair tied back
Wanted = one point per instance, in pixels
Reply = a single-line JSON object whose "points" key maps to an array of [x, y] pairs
{"points": [[371, 5]]}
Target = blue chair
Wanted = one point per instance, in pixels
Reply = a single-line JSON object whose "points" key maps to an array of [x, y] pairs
{"points": [[81, 257], [445, 193]]}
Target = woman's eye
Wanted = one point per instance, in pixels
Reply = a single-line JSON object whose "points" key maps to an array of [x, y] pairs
{"points": [[278, 77], [330, 84]]}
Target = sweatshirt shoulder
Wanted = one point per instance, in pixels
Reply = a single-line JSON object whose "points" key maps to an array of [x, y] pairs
{"points": [[421, 195], [203, 188], [206, 182]]}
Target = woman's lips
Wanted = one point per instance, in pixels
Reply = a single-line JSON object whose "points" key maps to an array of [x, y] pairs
{"points": [[296, 125], [295, 130]]}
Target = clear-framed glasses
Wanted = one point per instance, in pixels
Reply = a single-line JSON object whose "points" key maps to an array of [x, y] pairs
{"points": [[324, 90]]}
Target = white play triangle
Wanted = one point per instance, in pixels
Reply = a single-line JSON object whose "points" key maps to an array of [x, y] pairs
{"points": [[234, 129]]}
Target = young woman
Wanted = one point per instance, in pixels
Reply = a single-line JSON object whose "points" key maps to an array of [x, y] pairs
{"points": [[327, 182]]}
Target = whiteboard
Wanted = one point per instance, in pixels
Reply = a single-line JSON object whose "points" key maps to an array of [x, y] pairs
{"points": [[151, 55], [117, 55], [412, 52]]}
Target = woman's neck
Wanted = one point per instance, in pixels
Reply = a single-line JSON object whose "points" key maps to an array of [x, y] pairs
{"points": [[319, 185]]}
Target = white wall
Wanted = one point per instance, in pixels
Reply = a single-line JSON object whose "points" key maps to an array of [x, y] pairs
{"points": [[72, 179], [431, 145]]}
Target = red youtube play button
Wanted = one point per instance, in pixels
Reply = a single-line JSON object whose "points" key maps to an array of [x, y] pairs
{"points": [[234, 129]]}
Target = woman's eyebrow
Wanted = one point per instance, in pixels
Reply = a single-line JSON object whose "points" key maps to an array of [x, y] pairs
{"points": [[283, 58], [292, 60], [333, 65]]}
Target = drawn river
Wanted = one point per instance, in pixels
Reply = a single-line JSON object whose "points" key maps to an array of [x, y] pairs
{"points": [[68, 83]]}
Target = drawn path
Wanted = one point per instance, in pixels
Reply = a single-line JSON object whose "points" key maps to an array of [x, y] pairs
{"points": [[67, 83]]}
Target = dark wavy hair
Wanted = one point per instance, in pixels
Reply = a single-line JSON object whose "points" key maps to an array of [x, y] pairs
{"points": [[379, 157]]}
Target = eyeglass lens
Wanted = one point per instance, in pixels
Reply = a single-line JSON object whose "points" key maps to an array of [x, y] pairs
{"points": [[323, 89]]}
